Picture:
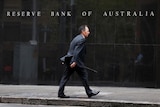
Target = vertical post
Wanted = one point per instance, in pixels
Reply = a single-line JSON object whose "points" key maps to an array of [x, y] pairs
{"points": [[73, 18], [34, 25], [158, 48], [63, 22], [45, 35], [44, 41], [1, 50], [45, 30]]}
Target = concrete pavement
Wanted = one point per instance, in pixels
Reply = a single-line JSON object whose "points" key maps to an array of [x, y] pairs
{"points": [[108, 97], [25, 105]]}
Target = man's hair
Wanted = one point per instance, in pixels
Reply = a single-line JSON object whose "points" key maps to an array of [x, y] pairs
{"points": [[81, 28]]}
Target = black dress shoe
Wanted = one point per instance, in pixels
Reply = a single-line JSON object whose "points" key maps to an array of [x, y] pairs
{"points": [[93, 94], [63, 96]]}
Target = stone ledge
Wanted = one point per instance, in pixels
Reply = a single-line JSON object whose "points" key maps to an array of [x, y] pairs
{"points": [[76, 102]]}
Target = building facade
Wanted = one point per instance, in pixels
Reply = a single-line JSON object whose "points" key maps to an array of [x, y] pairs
{"points": [[123, 45]]}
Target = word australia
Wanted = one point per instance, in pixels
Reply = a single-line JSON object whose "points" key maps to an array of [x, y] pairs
{"points": [[129, 13]]}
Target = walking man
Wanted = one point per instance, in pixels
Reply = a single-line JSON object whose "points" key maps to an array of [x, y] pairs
{"points": [[74, 61]]}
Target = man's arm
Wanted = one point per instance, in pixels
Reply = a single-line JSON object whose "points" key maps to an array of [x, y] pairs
{"points": [[79, 47]]}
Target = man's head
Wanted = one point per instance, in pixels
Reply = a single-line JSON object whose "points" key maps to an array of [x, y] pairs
{"points": [[84, 30]]}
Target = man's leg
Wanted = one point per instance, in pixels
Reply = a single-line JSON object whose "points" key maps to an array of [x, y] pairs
{"points": [[84, 77], [66, 75]]}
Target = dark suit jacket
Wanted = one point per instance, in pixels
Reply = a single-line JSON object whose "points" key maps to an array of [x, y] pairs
{"points": [[76, 52]]}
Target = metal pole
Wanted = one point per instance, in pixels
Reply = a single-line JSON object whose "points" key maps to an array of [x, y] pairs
{"points": [[34, 27], [72, 2], [73, 19], [44, 41], [45, 35]]}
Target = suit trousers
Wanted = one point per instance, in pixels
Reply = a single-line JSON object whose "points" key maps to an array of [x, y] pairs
{"points": [[83, 74]]}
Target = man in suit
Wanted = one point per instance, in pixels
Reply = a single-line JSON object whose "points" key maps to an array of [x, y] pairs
{"points": [[74, 61]]}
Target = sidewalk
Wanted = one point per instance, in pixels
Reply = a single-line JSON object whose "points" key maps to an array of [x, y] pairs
{"points": [[108, 97]]}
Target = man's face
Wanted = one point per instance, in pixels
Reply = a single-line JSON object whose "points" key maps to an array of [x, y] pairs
{"points": [[86, 32]]}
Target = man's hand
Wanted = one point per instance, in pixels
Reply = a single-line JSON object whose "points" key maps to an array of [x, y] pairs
{"points": [[73, 65]]}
